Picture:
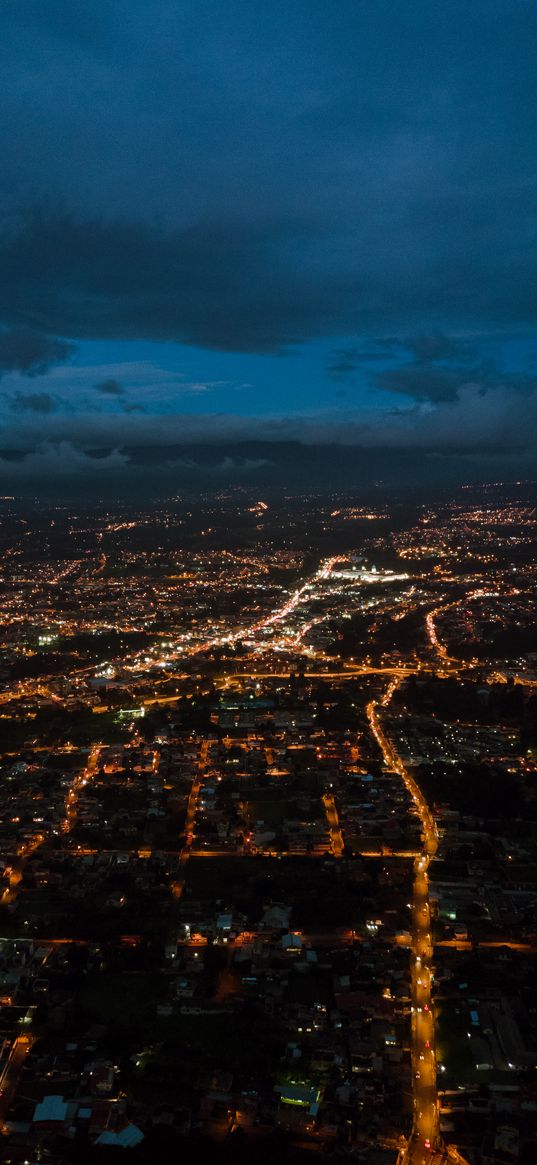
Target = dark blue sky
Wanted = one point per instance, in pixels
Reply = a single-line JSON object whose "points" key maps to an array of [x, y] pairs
{"points": [[285, 221]]}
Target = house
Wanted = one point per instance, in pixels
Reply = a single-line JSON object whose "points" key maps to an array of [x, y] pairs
{"points": [[127, 1138], [300, 1095], [51, 1112], [291, 942]]}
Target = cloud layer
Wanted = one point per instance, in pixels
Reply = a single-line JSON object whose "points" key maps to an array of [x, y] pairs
{"points": [[246, 181], [241, 183]]}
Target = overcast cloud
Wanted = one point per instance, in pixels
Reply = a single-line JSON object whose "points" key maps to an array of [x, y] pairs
{"points": [[257, 182]]}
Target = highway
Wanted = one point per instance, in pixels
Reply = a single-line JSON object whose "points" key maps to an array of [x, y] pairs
{"points": [[349, 673]]}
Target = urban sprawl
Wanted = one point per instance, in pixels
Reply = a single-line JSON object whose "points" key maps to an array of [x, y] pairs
{"points": [[268, 832]]}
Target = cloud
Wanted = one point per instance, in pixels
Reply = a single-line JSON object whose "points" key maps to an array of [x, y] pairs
{"points": [[55, 461], [244, 184], [254, 285], [243, 464], [441, 367], [32, 353], [228, 465], [427, 350], [110, 387], [195, 183], [480, 416], [59, 460], [424, 381], [478, 435], [344, 364], [429, 381], [434, 346], [206, 284], [141, 375], [33, 402], [478, 420]]}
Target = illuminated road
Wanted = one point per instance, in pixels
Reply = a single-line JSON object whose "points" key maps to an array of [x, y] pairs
{"points": [[336, 840], [11, 1074], [288, 639], [451, 662], [425, 1137], [282, 612], [190, 820], [349, 673], [426, 1112]]}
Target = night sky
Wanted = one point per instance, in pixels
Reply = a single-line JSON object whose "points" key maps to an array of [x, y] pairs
{"points": [[228, 228]]}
